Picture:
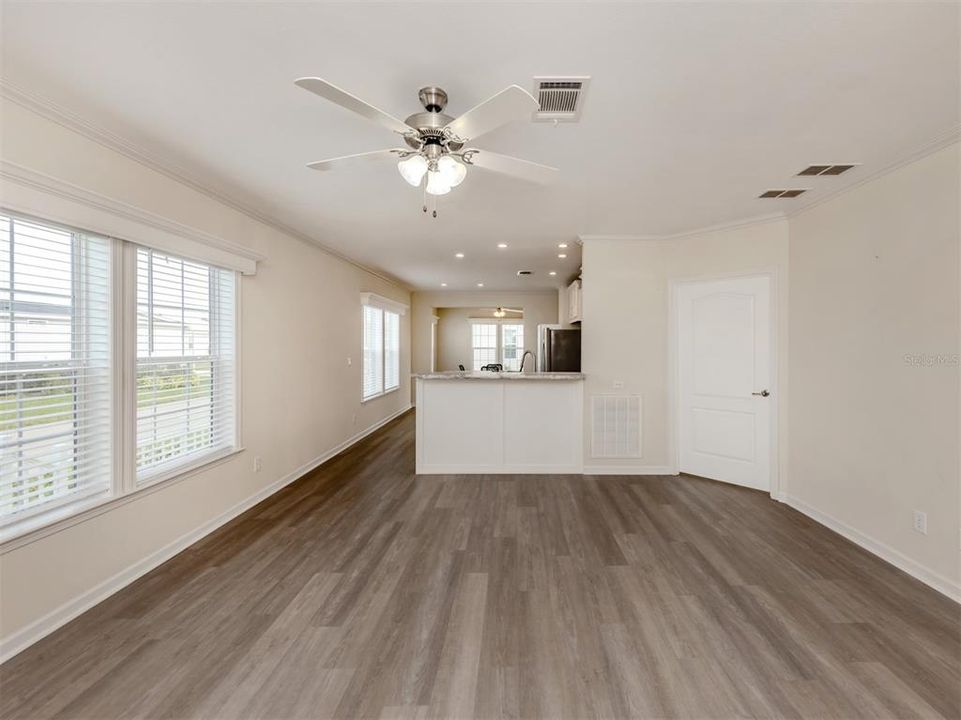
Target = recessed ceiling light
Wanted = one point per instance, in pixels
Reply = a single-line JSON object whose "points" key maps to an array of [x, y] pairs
{"points": [[443, 284], [480, 284], [562, 245], [502, 245], [562, 255], [552, 273], [459, 255]]}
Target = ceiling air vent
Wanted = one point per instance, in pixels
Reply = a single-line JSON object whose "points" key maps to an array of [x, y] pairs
{"points": [[559, 99], [782, 193], [826, 169]]}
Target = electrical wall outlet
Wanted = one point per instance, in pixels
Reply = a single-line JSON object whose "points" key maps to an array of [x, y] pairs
{"points": [[258, 464], [349, 361], [618, 384], [920, 522]]}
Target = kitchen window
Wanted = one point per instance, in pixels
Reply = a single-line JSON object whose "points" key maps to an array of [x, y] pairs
{"points": [[493, 341], [381, 346], [91, 410]]}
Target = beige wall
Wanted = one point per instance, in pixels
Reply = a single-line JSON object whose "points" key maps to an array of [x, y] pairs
{"points": [[874, 436], [625, 322], [301, 319], [539, 307]]}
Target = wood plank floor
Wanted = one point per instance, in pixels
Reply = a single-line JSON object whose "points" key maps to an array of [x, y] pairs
{"points": [[365, 591]]}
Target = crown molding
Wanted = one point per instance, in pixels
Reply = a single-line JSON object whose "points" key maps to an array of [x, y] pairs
{"points": [[721, 227], [70, 120], [931, 146], [68, 191]]}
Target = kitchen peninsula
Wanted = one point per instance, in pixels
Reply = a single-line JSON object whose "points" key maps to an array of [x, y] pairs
{"points": [[490, 422]]}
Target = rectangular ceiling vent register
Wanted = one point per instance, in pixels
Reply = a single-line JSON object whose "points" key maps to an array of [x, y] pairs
{"points": [[826, 169], [616, 426], [770, 194], [560, 99]]}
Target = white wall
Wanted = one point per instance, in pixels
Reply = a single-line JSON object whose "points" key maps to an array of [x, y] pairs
{"points": [[301, 319], [625, 322], [539, 307], [874, 285]]}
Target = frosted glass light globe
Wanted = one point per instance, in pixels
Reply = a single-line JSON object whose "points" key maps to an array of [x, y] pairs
{"points": [[437, 184], [412, 169], [453, 171]]}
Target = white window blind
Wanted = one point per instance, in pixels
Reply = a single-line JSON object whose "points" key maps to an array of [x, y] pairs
{"points": [[512, 345], [55, 367], [391, 350], [381, 351], [373, 351], [185, 361]]}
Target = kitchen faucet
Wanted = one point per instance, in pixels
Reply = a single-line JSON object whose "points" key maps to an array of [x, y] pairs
{"points": [[524, 357]]}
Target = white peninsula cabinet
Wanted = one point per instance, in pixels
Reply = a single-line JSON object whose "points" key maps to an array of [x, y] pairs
{"points": [[485, 422]]}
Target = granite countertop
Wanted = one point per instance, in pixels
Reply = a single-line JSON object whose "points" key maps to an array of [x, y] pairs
{"points": [[487, 375]]}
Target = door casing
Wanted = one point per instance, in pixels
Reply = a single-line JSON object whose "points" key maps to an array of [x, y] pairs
{"points": [[673, 358]]}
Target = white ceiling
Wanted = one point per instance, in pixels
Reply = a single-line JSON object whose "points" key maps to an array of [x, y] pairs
{"points": [[693, 110]]}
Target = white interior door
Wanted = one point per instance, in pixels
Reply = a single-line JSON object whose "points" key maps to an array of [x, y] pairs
{"points": [[724, 379]]}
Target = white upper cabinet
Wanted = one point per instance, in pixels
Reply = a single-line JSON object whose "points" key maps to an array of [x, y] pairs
{"points": [[574, 301]]}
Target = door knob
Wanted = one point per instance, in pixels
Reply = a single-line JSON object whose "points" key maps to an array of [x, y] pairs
{"points": [[763, 393]]}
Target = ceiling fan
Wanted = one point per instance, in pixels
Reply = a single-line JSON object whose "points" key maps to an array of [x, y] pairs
{"points": [[436, 142]]}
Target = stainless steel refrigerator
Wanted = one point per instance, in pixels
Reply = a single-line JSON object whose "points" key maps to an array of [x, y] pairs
{"points": [[558, 349]]}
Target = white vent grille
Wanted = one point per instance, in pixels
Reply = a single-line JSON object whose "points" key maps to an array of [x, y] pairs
{"points": [[616, 426], [560, 99]]}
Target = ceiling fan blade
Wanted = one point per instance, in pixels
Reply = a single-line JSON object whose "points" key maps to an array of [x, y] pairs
{"points": [[512, 103], [523, 169], [331, 92], [331, 163]]}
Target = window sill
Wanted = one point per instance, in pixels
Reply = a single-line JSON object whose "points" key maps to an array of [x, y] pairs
{"points": [[34, 528], [379, 395]]}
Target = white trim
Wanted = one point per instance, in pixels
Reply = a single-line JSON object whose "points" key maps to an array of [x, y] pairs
{"points": [[720, 227], [16, 536], [499, 470], [929, 577], [381, 394], [933, 145], [383, 303], [46, 108], [51, 199], [673, 417], [629, 470], [40, 628]]}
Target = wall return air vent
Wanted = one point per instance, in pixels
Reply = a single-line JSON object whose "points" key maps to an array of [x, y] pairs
{"points": [[560, 99]]}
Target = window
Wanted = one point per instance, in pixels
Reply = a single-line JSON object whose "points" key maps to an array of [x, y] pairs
{"points": [[185, 360], [381, 372], [90, 410], [483, 344], [496, 342], [512, 345], [55, 369]]}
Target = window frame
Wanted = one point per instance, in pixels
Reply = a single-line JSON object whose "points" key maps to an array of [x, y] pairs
{"points": [[383, 306], [124, 487]]}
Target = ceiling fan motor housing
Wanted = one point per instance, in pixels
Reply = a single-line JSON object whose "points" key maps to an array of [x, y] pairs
{"points": [[430, 123]]}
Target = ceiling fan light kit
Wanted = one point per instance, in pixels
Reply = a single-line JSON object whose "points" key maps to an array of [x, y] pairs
{"points": [[436, 141]]}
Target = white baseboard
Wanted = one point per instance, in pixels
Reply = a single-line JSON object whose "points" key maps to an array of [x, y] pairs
{"points": [[40, 628], [929, 577], [629, 470]]}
